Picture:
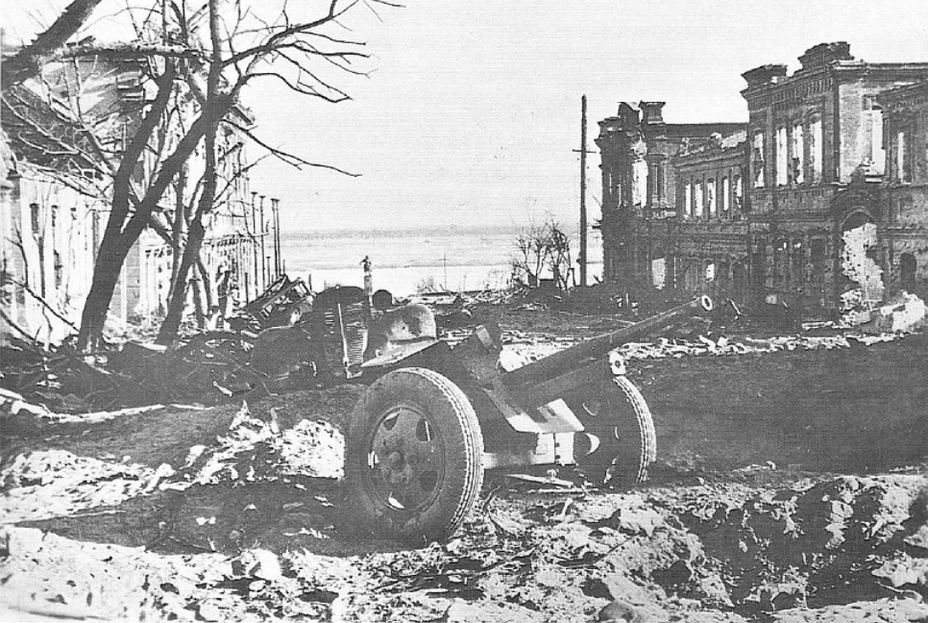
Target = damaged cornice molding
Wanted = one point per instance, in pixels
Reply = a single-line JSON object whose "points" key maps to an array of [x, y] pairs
{"points": [[130, 51]]}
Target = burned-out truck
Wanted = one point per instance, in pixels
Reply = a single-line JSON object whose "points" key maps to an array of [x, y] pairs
{"points": [[433, 417]]}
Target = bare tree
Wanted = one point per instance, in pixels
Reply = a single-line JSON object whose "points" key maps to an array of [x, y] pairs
{"points": [[284, 49], [540, 249]]}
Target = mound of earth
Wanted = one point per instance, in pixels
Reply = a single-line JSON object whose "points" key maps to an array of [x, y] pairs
{"points": [[236, 512]]}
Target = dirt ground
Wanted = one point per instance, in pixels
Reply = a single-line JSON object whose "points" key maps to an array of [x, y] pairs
{"points": [[790, 486]]}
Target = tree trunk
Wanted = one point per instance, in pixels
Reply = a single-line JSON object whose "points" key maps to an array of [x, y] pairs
{"points": [[110, 258], [94, 314], [171, 324], [215, 107]]}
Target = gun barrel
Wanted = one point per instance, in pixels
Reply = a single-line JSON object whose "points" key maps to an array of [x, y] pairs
{"points": [[597, 348]]}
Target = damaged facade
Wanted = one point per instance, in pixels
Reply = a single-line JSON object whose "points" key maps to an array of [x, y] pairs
{"points": [[812, 204], [58, 132]]}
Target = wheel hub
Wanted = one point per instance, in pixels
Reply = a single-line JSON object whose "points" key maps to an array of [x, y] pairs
{"points": [[405, 458]]}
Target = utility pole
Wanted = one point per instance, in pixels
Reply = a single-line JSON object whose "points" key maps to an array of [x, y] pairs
{"points": [[262, 234], [582, 258], [278, 265]]}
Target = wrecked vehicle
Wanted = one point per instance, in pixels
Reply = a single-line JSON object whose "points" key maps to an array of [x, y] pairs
{"points": [[433, 418], [284, 302]]}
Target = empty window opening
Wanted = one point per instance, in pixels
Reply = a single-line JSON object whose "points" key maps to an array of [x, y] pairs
{"points": [[815, 149], [757, 159], [726, 196], [782, 161], [697, 199], [797, 160]]}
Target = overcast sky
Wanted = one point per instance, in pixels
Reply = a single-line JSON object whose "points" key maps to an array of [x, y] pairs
{"points": [[472, 111]]}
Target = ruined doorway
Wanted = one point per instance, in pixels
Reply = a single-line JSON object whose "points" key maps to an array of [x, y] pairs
{"points": [[739, 277], [815, 299], [908, 266], [861, 276]]}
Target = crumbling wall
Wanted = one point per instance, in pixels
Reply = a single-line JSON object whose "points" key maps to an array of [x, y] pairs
{"points": [[858, 264], [908, 208]]}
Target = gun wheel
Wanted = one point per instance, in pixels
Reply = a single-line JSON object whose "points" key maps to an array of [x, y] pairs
{"points": [[413, 456], [619, 442]]}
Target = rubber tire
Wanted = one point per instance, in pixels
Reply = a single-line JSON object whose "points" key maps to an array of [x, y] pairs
{"points": [[628, 442], [451, 415]]}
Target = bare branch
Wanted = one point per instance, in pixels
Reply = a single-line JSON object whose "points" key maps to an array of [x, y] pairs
{"points": [[45, 304], [278, 38], [298, 89], [313, 75], [292, 160]]}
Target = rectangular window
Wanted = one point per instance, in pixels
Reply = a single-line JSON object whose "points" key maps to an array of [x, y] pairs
{"points": [[659, 180], [815, 150], [782, 161], [710, 198], [738, 193], [687, 199], [697, 199], [36, 217], [757, 159], [726, 196], [875, 152], [899, 157], [902, 157], [797, 161]]}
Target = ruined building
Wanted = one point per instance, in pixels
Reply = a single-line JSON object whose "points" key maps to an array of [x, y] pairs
{"points": [[60, 135], [800, 207]]}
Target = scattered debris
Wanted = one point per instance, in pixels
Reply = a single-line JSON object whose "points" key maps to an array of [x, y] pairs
{"points": [[255, 450], [55, 483]]}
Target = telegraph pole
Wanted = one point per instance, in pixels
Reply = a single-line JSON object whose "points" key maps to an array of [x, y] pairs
{"points": [[582, 258]]}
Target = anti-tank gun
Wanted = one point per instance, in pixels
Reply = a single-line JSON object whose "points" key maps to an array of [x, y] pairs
{"points": [[433, 417]]}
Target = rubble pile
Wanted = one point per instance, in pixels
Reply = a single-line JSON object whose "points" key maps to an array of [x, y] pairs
{"points": [[811, 544], [536, 347], [256, 450], [757, 542], [56, 483]]}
